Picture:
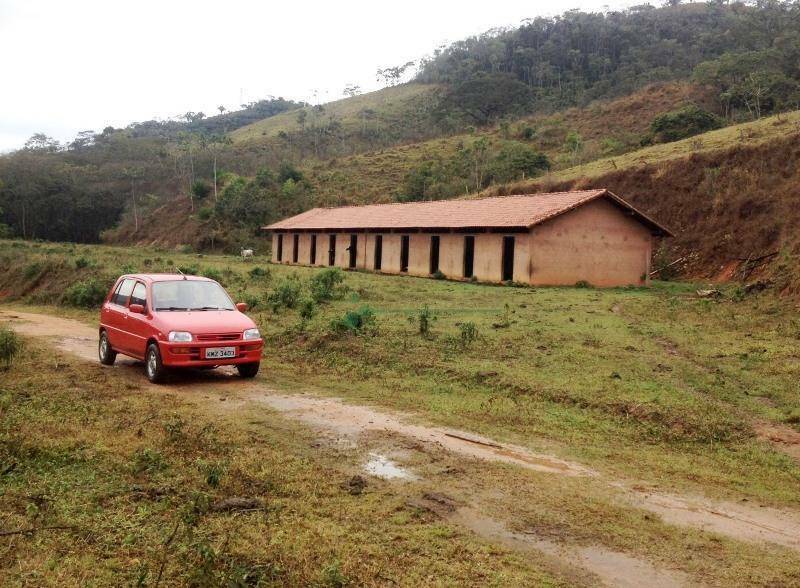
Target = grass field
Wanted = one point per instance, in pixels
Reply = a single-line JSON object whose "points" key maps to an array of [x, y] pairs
{"points": [[652, 385]]}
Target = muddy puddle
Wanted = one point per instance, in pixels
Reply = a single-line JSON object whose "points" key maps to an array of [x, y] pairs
{"points": [[353, 420], [381, 466]]}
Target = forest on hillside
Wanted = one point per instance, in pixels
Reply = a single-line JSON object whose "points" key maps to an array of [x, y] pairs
{"points": [[747, 53]]}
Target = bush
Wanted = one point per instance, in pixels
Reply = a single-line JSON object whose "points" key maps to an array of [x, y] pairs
{"points": [[10, 346], [212, 274], [201, 189], [356, 322], [327, 284], [439, 275], [259, 273], [468, 333], [189, 270], [32, 270], [682, 123], [423, 319], [205, 213], [285, 295], [82, 263], [85, 294], [251, 300]]}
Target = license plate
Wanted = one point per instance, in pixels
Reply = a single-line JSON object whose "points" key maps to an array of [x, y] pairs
{"points": [[220, 352]]}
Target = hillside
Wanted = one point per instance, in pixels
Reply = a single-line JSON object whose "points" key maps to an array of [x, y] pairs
{"points": [[571, 100]]}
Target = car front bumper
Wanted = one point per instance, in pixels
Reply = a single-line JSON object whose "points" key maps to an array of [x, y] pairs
{"points": [[192, 354]]}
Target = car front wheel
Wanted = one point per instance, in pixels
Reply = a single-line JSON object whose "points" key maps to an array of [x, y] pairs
{"points": [[153, 366], [107, 355], [248, 370]]}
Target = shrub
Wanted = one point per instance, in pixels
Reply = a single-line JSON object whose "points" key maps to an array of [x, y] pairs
{"points": [[85, 294], [307, 308], [423, 319], [32, 270], [205, 213], [201, 189], [259, 273], [327, 284], [212, 274], [468, 333], [682, 123], [82, 263], [189, 270], [251, 300], [582, 284], [10, 346], [356, 322], [285, 295], [439, 275]]}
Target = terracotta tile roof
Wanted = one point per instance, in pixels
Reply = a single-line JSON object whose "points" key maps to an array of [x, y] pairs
{"points": [[522, 211]]}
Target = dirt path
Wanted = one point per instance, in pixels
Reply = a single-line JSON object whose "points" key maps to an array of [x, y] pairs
{"points": [[337, 417]]}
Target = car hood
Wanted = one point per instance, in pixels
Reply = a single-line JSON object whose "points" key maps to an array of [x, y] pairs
{"points": [[203, 322]]}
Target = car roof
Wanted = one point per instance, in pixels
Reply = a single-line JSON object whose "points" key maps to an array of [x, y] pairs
{"points": [[150, 278]]}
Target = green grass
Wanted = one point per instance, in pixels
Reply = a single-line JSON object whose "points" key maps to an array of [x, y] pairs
{"points": [[651, 383], [117, 485]]}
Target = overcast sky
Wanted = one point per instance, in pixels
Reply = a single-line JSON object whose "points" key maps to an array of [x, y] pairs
{"points": [[73, 65]]}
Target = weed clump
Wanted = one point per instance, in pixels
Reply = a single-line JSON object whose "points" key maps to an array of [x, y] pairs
{"points": [[85, 294], [356, 322], [423, 319], [468, 333], [328, 284], [285, 295], [259, 273], [10, 346], [212, 274]]}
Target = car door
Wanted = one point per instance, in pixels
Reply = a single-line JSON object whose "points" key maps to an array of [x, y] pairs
{"points": [[138, 325], [115, 314]]}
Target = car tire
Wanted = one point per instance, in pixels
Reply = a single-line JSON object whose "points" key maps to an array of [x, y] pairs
{"points": [[153, 365], [248, 370], [107, 355]]}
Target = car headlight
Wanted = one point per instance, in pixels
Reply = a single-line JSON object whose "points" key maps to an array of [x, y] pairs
{"points": [[251, 334], [180, 336]]}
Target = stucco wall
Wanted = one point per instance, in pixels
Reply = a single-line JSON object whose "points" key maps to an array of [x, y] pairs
{"points": [[596, 242]]}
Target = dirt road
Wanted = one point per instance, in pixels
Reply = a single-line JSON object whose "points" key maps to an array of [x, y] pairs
{"points": [[352, 423]]}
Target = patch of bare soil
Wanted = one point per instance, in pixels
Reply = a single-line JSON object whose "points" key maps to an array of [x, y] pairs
{"points": [[592, 565], [784, 438], [352, 420]]}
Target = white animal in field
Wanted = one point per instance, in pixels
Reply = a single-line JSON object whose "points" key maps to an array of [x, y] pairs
{"points": [[247, 253]]}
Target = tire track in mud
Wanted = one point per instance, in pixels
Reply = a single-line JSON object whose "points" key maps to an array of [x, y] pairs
{"points": [[612, 568]]}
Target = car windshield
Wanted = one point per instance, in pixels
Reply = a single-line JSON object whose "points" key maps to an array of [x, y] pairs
{"points": [[190, 295]]}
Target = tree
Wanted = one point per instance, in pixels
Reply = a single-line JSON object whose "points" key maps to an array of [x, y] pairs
{"points": [[352, 90], [682, 123], [391, 76], [42, 143]]}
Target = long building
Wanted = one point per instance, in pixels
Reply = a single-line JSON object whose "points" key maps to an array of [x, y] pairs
{"points": [[559, 238]]}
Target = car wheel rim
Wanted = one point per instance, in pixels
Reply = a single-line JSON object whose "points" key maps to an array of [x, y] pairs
{"points": [[103, 347], [151, 363]]}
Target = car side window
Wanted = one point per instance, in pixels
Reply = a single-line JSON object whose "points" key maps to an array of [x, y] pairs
{"points": [[123, 292], [139, 295]]}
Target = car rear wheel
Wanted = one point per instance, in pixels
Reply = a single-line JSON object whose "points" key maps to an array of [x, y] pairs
{"points": [[248, 370], [153, 366], [107, 355]]}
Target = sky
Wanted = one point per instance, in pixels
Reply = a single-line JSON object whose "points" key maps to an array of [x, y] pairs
{"points": [[74, 65]]}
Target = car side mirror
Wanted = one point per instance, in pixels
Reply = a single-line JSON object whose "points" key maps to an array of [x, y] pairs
{"points": [[137, 308], [241, 306]]}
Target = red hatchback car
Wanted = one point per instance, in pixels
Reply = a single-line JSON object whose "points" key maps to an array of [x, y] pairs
{"points": [[171, 320]]}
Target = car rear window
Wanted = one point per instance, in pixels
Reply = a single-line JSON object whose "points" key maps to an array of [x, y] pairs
{"points": [[123, 292]]}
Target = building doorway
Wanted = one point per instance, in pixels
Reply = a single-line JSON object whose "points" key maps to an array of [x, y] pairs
{"points": [[353, 251], [469, 256], [332, 250], [404, 253], [434, 261], [312, 255], [295, 247], [508, 259], [280, 247], [378, 251]]}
